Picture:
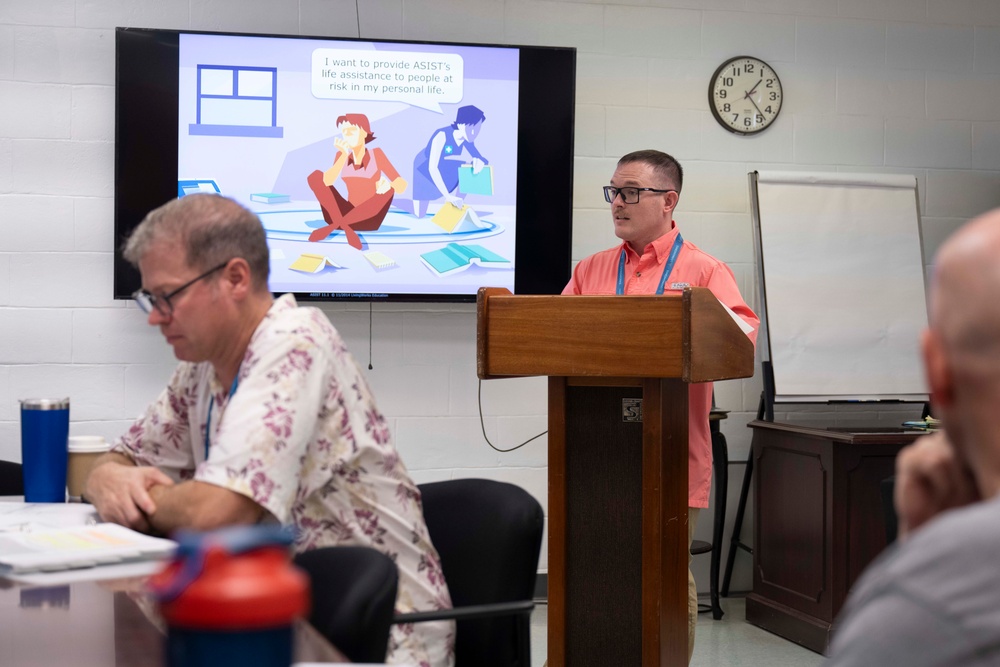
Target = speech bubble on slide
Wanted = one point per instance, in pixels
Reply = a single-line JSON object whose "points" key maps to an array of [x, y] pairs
{"points": [[424, 80]]}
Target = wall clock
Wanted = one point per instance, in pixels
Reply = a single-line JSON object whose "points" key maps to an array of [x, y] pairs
{"points": [[745, 95]]}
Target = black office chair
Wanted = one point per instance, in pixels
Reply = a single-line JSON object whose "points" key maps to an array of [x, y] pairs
{"points": [[488, 535], [886, 490], [11, 481], [720, 473], [353, 598]]}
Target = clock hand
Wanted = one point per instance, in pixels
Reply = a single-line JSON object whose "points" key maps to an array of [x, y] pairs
{"points": [[751, 91], [756, 107]]}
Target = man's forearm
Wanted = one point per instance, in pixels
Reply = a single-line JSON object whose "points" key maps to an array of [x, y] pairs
{"points": [[113, 457], [200, 506], [118, 489], [331, 175]]}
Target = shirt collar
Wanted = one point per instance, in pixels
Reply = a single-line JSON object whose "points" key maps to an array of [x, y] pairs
{"points": [[661, 246], [364, 160], [279, 305]]}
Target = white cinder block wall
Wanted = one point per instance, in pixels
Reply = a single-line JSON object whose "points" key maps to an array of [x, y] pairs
{"points": [[902, 86]]}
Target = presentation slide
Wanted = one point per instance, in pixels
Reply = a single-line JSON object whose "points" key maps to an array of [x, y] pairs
{"points": [[375, 168]]}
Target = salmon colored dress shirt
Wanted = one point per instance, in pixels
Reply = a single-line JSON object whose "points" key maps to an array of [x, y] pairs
{"points": [[598, 274]]}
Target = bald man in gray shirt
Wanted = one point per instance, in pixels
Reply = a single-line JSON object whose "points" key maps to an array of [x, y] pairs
{"points": [[934, 597]]}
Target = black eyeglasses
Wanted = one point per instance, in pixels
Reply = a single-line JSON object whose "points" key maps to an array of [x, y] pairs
{"points": [[161, 302], [629, 195]]}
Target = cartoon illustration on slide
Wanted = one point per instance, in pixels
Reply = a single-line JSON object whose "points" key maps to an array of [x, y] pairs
{"points": [[436, 167], [289, 127], [370, 178]]}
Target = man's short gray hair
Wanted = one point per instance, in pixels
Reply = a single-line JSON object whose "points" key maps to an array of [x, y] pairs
{"points": [[212, 229]]}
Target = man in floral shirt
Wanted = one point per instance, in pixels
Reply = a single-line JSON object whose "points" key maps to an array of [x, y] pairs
{"points": [[267, 418]]}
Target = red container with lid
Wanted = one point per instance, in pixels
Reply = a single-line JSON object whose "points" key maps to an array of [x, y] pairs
{"points": [[231, 597]]}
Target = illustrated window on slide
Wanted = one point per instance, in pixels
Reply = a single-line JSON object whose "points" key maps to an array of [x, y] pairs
{"points": [[237, 102]]}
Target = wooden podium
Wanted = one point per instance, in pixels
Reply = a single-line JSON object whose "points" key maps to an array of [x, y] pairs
{"points": [[618, 370]]}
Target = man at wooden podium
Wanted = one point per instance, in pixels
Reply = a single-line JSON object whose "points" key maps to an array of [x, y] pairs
{"points": [[654, 259]]}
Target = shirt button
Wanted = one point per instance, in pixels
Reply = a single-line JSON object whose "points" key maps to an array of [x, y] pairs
{"points": [[638, 274]]}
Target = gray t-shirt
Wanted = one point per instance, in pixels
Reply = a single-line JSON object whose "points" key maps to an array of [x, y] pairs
{"points": [[932, 600]]}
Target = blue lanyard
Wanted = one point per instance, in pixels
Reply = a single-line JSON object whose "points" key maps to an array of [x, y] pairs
{"points": [[211, 402], [671, 259]]}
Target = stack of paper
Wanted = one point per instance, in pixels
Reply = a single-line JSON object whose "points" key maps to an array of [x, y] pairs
{"points": [[269, 197], [926, 424], [379, 259], [85, 546]]}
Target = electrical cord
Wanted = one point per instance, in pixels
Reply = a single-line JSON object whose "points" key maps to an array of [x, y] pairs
{"points": [[482, 425]]}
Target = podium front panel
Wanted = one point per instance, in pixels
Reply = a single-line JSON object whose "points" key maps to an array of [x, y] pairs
{"points": [[604, 527]]}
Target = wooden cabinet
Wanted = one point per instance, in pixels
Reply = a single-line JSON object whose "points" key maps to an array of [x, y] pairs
{"points": [[818, 522]]}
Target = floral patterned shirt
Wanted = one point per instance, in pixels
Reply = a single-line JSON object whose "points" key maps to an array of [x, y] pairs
{"points": [[302, 436]]}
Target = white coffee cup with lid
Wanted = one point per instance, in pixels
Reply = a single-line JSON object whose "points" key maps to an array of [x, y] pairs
{"points": [[82, 450]]}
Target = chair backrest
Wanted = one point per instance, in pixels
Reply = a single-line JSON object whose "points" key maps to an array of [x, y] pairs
{"points": [[11, 481], [488, 535], [353, 598], [887, 489]]}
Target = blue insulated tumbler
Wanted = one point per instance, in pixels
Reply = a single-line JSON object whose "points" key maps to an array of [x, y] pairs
{"points": [[44, 434]]}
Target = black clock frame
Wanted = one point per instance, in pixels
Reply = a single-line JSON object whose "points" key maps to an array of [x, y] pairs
{"points": [[711, 98]]}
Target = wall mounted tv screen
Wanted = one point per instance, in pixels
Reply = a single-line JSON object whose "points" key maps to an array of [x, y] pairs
{"points": [[380, 170]]}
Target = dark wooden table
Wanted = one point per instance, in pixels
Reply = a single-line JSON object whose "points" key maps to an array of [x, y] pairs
{"points": [[818, 522], [100, 624]]}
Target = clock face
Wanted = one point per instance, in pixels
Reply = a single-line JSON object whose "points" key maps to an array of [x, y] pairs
{"points": [[744, 95]]}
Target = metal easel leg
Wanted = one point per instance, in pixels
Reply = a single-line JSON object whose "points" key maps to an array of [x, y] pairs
{"points": [[735, 542], [764, 411]]}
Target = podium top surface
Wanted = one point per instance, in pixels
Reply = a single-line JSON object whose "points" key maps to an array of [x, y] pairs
{"points": [[687, 335]]}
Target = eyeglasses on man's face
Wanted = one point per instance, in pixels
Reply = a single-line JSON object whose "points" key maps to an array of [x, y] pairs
{"points": [[629, 195], [161, 302]]}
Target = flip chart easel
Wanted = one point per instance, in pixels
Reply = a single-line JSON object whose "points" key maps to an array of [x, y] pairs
{"points": [[842, 284]]}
